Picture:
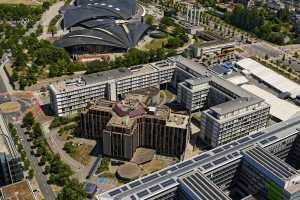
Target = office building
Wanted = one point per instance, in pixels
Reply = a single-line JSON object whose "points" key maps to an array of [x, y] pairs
{"points": [[213, 47], [198, 89], [260, 161], [267, 176], [228, 111], [72, 95], [11, 169], [134, 122]]}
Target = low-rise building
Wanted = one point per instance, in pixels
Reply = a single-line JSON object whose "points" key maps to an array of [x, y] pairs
{"points": [[17, 191], [213, 47]]}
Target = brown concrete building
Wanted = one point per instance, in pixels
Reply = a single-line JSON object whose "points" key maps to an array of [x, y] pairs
{"points": [[135, 122]]}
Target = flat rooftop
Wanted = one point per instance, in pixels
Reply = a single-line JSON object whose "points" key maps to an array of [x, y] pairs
{"points": [[280, 109], [192, 67], [142, 69], [227, 85], [17, 191], [235, 105], [197, 81], [272, 78], [268, 164], [177, 120], [101, 104], [80, 81], [198, 186]]}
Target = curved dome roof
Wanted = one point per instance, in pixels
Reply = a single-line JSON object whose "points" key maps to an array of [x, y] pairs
{"points": [[94, 9], [119, 36], [95, 21]]}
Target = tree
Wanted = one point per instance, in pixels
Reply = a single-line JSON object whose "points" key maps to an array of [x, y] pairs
{"points": [[174, 43], [149, 20], [36, 130], [46, 5], [70, 147], [266, 57], [21, 59], [30, 173], [28, 120], [59, 171], [73, 190]]}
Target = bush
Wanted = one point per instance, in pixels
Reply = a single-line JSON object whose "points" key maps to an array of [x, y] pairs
{"points": [[104, 165], [59, 121], [28, 120], [158, 34], [70, 147]]}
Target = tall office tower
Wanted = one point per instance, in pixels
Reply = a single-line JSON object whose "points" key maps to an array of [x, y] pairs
{"points": [[11, 169], [134, 122], [229, 121]]}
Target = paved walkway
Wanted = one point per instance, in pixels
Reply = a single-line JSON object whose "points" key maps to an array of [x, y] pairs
{"points": [[57, 145], [50, 14]]}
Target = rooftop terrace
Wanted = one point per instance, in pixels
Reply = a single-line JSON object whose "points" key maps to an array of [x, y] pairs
{"points": [[17, 191]]}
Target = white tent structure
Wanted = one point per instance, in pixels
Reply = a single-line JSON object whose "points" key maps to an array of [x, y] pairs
{"points": [[273, 79]]}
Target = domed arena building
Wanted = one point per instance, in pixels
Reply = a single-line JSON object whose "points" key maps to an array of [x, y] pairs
{"points": [[101, 26]]}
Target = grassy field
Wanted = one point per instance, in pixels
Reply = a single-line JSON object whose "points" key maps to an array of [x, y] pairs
{"points": [[82, 154], [155, 43], [9, 107], [26, 2]]}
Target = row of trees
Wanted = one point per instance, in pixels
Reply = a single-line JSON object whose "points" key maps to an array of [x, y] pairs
{"points": [[40, 55], [132, 57], [32, 58], [25, 160], [35, 59], [275, 27], [178, 33], [59, 172], [18, 12]]}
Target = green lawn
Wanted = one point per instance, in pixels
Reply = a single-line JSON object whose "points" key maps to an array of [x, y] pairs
{"points": [[155, 43]]}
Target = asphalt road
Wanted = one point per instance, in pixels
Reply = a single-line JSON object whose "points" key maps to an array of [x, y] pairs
{"points": [[40, 177]]}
